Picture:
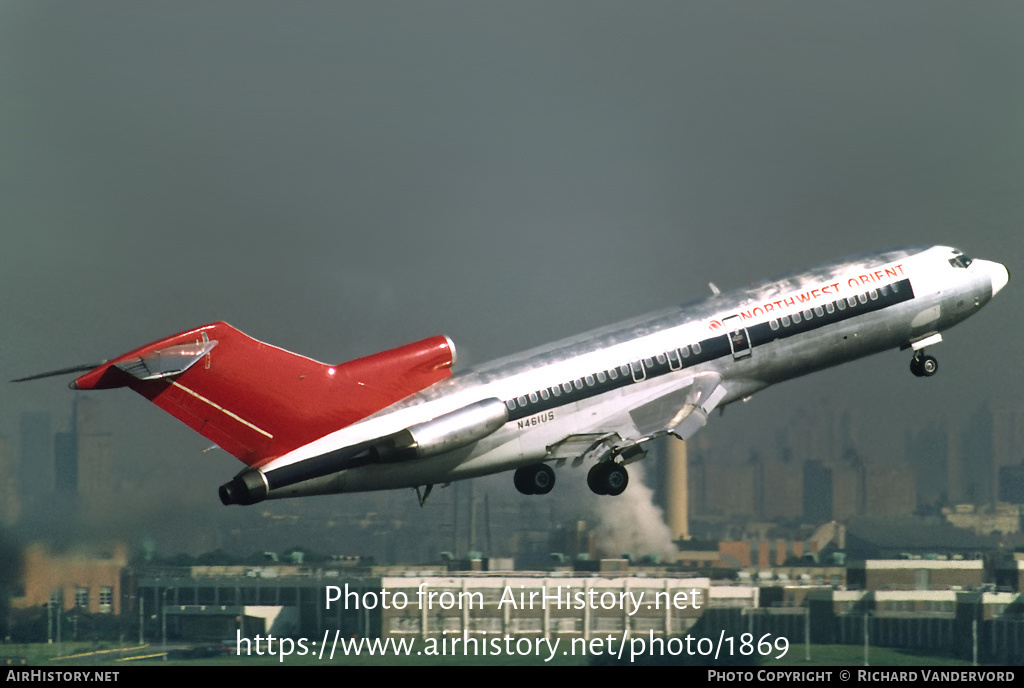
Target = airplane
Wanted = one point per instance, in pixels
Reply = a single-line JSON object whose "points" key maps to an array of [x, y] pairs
{"points": [[400, 419]]}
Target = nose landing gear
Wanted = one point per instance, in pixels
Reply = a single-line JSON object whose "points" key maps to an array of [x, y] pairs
{"points": [[923, 366]]}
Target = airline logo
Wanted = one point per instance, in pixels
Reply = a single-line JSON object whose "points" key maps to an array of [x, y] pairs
{"points": [[822, 293]]}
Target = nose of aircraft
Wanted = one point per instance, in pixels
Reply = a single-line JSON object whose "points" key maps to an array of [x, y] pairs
{"points": [[1000, 276]]}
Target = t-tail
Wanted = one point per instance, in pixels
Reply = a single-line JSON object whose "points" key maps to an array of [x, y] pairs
{"points": [[257, 401]]}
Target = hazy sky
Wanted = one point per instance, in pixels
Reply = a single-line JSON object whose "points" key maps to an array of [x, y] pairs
{"points": [[343, 177]]}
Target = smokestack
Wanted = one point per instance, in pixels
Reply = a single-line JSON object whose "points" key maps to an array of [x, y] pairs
{"points": [[676, 512]]}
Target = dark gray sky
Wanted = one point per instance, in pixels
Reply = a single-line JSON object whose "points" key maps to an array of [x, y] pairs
{"points": [[343, 177]]}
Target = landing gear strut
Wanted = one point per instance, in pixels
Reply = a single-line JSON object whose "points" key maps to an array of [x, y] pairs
{"points": [[536, 479], [923, 366], [607, 478]]}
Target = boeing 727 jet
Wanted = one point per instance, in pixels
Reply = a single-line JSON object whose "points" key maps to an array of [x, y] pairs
{"points": [[401, 419]]}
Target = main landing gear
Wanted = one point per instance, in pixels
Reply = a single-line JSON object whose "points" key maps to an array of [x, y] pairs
{"points": [[535, 479], [608, 478], [605, 478], [923, 366]]}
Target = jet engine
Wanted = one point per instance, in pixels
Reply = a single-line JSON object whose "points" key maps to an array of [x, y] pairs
{"points": [[445, 433]]}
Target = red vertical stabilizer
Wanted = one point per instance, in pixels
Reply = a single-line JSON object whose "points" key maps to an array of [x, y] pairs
{"points": [[257, 401]]}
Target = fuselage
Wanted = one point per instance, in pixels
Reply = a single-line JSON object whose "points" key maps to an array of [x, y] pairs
{"points": [[588, 385]]}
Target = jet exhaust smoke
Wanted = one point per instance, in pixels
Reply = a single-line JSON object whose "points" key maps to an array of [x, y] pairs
{"points": [[632, 522]]}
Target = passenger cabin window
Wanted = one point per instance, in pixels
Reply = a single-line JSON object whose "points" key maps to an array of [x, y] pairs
{"points": [[863, 298], [533, 397], [544, 394], [696, 348], [830, 308], [601, 377], [818, 311], [785, 321], [774, 324], [796, 318]]}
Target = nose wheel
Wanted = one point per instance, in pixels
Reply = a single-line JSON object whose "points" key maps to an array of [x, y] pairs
{"points": [[923, 366]]}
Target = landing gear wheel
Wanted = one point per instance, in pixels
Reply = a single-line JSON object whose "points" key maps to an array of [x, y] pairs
{"points": [[616, 479], [539, 479], [608, 478], [923, 366], [929, 366], [595, 478]]}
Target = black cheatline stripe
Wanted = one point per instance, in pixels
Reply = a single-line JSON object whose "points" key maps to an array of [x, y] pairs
{"points": [[762, 333], [717, 347]]}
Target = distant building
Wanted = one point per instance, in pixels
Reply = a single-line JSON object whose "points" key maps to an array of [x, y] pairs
{"points": [[35, 463], [88, 581], [917, 574]]}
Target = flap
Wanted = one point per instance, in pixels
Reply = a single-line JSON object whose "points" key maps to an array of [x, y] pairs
{"points": [[681, 412]]}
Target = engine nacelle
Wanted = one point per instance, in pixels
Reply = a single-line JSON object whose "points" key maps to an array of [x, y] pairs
{"points": [[445, 433]]}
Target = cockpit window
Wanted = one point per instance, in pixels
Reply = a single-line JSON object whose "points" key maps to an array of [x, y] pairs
{"points": [[960, 261]]}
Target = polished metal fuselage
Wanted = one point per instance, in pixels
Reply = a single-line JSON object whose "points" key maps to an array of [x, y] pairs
{"points": [[752, 337]]}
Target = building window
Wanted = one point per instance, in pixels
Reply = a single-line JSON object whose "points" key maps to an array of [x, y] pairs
{"points": [[82, 597], [106, 599]]}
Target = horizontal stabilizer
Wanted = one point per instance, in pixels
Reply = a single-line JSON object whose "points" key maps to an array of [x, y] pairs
{"points": [[63, 371]]}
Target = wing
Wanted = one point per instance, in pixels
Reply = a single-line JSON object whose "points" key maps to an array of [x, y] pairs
{"points": [[681, 412]]}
